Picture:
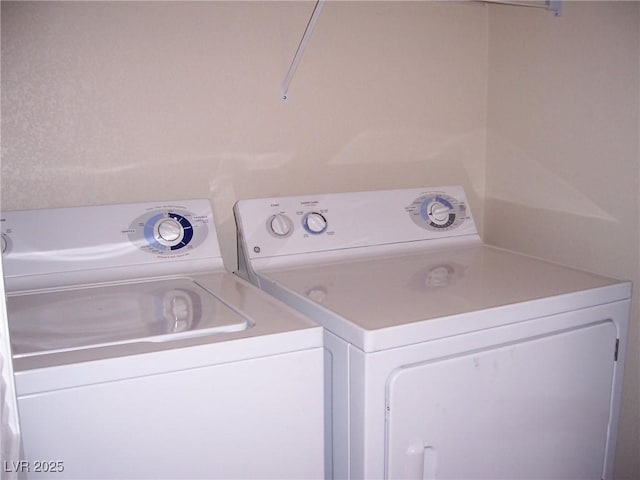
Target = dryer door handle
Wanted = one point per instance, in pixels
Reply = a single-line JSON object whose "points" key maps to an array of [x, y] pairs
{"points": [[421, 461]]}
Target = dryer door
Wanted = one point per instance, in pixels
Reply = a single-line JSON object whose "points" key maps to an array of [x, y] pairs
{"points": [[538, 408]]}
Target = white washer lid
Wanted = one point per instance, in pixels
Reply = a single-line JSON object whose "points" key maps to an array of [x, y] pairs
{"points": [[272, 328], [71, 319], [362, 300]]}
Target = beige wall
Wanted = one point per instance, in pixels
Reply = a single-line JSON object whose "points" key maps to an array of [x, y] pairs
{"points": [[563, 161], [119, 102]]}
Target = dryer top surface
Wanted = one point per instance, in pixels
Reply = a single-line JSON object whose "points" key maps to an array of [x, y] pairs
{"points": [[432, 288]]}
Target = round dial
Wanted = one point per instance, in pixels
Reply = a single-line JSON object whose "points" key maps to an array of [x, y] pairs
{"points": [[169, 231], [314, 223], [437, 211], [166, 232], [280, 225]]}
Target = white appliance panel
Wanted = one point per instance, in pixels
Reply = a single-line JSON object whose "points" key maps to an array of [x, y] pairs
{"points": [[10, 435], [220, 421], [370, 374], [378, 302], [78, 245], [136, 355], [352, 220], [506, 412], [412, 299]]}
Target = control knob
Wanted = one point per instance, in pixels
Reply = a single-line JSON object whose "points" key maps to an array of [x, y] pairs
{"points": [[439, 213], [169, 231], [280, 225], [315, 223]]}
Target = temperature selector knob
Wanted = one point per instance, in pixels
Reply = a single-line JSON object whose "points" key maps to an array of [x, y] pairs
{"points": [[314, 223], [280, 225]]}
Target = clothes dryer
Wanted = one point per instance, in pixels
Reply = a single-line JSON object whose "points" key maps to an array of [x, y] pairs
{"points": [[136, 355], [450, 359]]}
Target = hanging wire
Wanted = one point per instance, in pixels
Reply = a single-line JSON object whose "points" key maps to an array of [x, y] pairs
{"points": [[303, 44]]}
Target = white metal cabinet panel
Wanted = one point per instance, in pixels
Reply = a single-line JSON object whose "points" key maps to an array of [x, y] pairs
{"points": [[392, 301], [136, 355], [535, 409], [402, 293], [337, 417], [10, 421], [265, 421]]}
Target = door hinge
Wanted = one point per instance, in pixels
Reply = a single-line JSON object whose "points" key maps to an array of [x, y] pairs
{"points": [[615, 355]]}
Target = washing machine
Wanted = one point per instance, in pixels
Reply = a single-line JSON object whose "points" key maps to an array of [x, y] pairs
{"points": [[448, 358], [136, 355]]}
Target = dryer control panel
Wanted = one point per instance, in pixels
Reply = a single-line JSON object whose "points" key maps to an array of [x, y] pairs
{"points": [[315, 223]]}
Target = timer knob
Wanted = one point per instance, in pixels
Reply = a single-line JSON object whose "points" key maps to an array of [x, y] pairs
{"points": [[315, 223], [438, 212], [280, 225], [169, 231]]}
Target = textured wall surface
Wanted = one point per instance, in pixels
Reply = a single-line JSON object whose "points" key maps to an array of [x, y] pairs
{"points": [[563, 153], [536, 116], [126, 101]]}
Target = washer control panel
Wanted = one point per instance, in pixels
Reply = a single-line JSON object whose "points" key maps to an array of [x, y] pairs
{"points": [[49, 247], [305, 224]]}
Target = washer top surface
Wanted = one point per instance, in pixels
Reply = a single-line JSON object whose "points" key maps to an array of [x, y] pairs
{"points": [[160, 310], [428, 295], [245, 323]]}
